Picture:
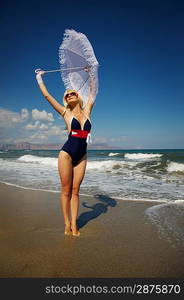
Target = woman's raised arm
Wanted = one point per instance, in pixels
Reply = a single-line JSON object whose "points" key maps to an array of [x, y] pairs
{"points": [[92, 93], [58, 107]]}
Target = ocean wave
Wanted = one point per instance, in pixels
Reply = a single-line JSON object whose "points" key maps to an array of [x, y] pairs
{"points": [[144, 156], [175, 167], [179, 201], [113, 154], [29, 188], [52, 161], [106, 165], [168, 218]]}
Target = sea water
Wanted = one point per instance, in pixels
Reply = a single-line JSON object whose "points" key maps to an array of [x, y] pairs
{"points": [[141, 175], [123, 174]]}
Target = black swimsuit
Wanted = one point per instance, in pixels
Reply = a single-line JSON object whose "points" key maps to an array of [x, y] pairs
{"points": [[76, 145]]}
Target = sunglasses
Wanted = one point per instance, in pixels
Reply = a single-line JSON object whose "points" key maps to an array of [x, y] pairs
{"points": [[71, 94]]}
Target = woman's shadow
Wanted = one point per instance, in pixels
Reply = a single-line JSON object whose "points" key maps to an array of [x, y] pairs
{"points": [[95, 210]]}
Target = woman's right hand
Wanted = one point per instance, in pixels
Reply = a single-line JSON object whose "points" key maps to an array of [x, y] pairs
{"points": [[39, 72]]}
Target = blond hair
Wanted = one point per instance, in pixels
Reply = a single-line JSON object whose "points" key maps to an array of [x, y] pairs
{"points": [[79, 98]]}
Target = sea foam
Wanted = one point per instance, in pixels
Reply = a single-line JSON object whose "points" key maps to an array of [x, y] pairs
{"points": [[142, 155], [113, 154], [107, 165], [52, 161], [175, 167], [168, 218]]}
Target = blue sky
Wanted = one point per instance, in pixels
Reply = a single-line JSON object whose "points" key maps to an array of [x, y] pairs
{"points": [[140, 48]]}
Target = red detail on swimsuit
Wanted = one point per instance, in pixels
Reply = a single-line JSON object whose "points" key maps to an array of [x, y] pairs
{"points": [[79, 133]]}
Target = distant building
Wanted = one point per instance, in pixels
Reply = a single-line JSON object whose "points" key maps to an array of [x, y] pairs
{"points": [[29, 146]]}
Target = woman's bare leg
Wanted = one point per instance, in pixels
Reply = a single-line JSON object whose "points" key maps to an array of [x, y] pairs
{"points": [[66, 175], [78, 175]]}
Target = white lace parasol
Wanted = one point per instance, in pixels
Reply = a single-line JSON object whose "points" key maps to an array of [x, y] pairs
{"points": [[76, 54]]}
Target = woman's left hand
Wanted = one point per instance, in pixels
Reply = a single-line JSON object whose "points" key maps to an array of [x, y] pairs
{"points": [[87, 69]]}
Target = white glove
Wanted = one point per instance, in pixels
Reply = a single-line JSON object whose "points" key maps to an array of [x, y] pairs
{"points": [[39, 73]]}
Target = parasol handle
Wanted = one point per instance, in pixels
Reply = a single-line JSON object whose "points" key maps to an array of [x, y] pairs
{"points": [[59, 70]]}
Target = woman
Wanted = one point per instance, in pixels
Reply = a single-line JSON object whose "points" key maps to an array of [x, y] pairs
{"points": [[72, 157]]}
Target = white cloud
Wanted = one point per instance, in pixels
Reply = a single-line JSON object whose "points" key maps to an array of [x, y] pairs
{"points": [[37, 126], [43, 127], [99, 139], [8, 119], [56, 130], [32, 126], [109, 140], [43, 135], [24, 114], [38, 137], [42, 115], [7, 140], [18, 126], [118, 139]]}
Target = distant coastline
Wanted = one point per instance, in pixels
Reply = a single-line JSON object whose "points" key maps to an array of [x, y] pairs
{"points": [[31, 146]]}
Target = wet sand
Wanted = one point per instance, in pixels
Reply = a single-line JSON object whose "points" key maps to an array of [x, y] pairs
{"points": [[117, 239]]}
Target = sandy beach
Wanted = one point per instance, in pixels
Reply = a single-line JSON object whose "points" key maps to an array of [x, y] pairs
{"points": [[117, 239]]}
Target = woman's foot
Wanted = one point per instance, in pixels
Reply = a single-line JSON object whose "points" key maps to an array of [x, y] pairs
{"points": [[68, 229], [75, 231]]}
